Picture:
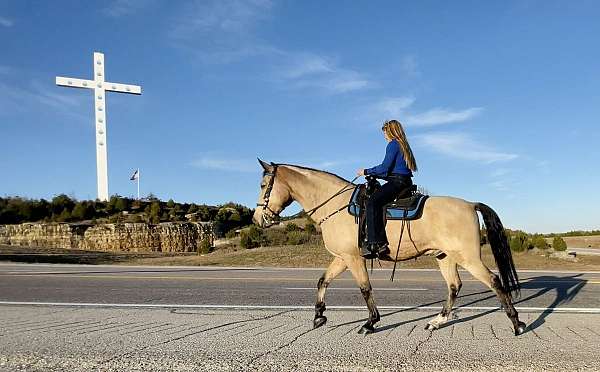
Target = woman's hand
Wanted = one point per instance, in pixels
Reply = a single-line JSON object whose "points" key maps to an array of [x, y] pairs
{"points": [[360, 172]]}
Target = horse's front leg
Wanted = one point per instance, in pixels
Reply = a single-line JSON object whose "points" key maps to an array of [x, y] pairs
{"points": [[336, 267], [359, 272]]}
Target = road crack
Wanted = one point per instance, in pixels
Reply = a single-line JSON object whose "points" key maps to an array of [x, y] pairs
{"points": [[191, 334], [268, 352], [421, 343]]}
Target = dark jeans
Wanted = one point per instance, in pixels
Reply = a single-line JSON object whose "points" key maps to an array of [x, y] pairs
{"points": [[375, 208]]}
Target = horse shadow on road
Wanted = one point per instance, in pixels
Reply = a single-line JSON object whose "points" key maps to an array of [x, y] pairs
{"points": [[565, 289]]}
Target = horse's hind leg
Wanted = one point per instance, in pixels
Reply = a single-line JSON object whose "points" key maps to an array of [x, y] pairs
{"points": [[336, 267], [481, 272], [449, 270], [360, 274]]}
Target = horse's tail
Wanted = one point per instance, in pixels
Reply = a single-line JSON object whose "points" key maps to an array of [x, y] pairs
{"points": [[501, 249]]}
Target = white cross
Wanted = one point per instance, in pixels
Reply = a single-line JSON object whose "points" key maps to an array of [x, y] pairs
{"points": [[100, 87]]}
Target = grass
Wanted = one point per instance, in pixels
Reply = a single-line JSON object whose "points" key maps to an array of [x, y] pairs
{"points": [[308, 255]]}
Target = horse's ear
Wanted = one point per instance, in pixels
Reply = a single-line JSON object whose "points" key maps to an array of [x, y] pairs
{"points": [[266, 166]]}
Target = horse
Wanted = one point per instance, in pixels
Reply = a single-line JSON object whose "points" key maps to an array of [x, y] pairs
{"points": [[447, 225]]}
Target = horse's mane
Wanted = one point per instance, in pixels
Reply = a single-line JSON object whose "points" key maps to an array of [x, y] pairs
{"points": [[315, 170]]}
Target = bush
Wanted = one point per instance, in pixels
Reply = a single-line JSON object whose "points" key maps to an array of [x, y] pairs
{"points": [[297, 237], [230, 234], [205, 246], [252, 238], [539, 242], [275, 237], [520, 242], [292, 227], [310, 228], [559, 244]]}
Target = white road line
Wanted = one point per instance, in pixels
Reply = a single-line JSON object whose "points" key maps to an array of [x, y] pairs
{"points": [[298, 307], [356, 289], [257, 268]]}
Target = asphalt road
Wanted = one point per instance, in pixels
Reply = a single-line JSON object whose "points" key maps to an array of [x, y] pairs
{"points": [[74, 317]]}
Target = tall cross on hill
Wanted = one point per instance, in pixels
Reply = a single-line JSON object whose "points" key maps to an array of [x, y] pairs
{"points": [[100, 87]]}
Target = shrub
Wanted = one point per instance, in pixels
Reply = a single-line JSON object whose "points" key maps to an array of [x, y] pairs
{"points": [[559, 244], [292, 227], [275, 237], [230, 234], [297, 237], [310, 228], [519, 242], [539, 242], [251, 238], [205, 246]]}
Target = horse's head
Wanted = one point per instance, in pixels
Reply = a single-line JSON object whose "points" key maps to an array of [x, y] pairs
{"points": [[274, 196]]}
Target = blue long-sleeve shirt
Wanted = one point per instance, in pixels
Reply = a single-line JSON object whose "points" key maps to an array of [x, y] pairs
{"points": [[393, 163]]}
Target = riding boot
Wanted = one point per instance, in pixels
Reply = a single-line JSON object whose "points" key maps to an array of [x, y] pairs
{"points": [[368, 251], [382, 250]]}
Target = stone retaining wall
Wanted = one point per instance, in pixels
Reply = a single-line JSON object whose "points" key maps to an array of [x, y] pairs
{"points": [[134, 237]]}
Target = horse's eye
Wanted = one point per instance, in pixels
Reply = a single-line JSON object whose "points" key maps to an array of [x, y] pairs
{"points": [[262, 186]]}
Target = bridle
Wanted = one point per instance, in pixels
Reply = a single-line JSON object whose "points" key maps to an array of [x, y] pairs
{"points": [[272, 217]]}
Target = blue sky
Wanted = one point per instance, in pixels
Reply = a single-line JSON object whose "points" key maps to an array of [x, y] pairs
{"points": [[500, 100]]}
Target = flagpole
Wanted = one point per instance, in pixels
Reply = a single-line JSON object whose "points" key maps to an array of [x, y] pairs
{"points": [[138, 183]]}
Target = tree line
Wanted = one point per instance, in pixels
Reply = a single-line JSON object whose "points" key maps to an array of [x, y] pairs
{"points": [[62, 208]]}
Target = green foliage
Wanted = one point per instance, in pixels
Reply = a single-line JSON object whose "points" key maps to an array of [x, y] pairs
{"points": [[64, 216], [559, 244], [205, 246], [275, 237], [297, 237], [252, 237], [539, 242], [230, 234], [520, 242], [82, 211], [170, 203], [155, 212], [292, 227], [310, 228]]}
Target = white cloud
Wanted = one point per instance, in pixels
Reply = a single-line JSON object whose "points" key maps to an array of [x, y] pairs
{"points": [[400, 108], [439, 116], [35, 96], [120, 8], [394, 107], [221, 31], [224, 164], [462, 146], [5, 22], [307, 64]]}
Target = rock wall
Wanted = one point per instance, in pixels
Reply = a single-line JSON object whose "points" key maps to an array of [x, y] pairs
{"points": [[134, 237]]}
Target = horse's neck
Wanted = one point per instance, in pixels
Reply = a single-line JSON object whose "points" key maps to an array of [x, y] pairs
{"points": [[310, 188]]}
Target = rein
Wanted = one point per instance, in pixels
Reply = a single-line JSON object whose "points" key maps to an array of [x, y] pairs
{"points": [[275, 216]]}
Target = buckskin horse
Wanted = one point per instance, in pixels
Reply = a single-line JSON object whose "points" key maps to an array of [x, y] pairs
{"points": [[447, 225]]}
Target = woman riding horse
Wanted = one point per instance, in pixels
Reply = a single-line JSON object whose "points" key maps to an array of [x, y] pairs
{"points": [[396, 169]]}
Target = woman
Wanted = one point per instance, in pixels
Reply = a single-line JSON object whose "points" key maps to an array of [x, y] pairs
{"points": [[396, 169]]}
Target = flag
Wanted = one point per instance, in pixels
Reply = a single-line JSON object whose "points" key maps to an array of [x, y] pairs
{"points": [[135, 175]]}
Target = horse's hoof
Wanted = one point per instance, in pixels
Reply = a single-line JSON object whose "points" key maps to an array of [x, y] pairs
{"points": [[366, 329], [431, 327], [319, 321], [520, 329]]}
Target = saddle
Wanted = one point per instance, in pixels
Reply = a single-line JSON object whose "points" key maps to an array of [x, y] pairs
{"points": [[407, 206]]}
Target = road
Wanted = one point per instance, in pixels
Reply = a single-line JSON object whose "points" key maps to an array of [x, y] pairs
{"points": [[77, 317], [585, 251]]}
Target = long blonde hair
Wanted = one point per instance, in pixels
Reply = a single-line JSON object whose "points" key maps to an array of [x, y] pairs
{"points": [[393, 129]]}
